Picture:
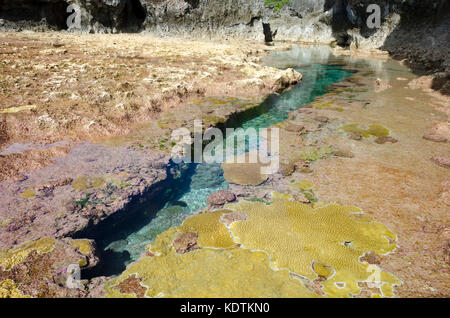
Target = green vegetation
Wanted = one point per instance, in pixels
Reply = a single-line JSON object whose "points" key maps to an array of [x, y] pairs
{"points": [[83, 202], [277, 4]]}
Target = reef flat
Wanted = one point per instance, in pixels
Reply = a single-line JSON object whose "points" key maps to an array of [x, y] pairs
{"points": [[93, 205]]}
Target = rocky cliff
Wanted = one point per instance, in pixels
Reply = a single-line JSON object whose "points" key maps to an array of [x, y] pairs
{"points": [[415, 30]]}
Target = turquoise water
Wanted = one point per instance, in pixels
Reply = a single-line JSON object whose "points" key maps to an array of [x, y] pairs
{"points": [[315, 82], [124, 243]]}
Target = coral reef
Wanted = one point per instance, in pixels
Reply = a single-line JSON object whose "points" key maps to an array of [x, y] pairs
{"points": [[326, 242], [284, 248], [229, 273]]}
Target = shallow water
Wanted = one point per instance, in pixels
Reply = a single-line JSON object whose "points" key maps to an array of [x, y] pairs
{"points": [[126, 242]]}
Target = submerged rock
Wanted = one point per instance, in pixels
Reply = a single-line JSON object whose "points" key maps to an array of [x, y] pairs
{"points": [[221, 197]]}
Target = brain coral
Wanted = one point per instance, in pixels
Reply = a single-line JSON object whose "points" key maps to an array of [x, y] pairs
{"points": [[211, 233], [327, 241], [207, 272], [285, 246]]}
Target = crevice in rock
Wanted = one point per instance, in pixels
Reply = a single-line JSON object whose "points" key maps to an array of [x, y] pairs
{"points": [[133, 16], [268, 35], [131, 218], [194, 3], [253, 20]]}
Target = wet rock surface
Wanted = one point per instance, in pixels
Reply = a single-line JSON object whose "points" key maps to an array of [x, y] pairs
{"points": [[221, 197], [82, 188]]}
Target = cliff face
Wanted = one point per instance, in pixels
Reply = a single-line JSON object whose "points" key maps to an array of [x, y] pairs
{"points": [[323, 21], [416, 30]]}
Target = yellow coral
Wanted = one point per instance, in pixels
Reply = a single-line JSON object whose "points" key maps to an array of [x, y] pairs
{"points": [[217, 272], [222, 273], [243, 171], [322, 270], [163, 242], [305, 185], [8, 289], [320, 104], [84, 246], [373, 130], [85, 183], [329, 105], [216, 101], [82, 262], [277, 195], [324, 242], [299, 235], [28, 194], [11, 257], [5, 222], [211, 233]]}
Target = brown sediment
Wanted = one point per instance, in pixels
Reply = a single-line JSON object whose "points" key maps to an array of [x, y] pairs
{"points": [[132, 285]]}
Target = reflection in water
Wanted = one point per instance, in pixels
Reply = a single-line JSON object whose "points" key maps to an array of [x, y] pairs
{"points": [[124, 243]]}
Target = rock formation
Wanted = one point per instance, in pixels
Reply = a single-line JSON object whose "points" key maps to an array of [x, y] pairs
{"points": [[414, 30]]}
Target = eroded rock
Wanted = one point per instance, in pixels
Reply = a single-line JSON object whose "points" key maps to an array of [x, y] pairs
{"points": [[186, 242], [221, 197], [230, 218]]}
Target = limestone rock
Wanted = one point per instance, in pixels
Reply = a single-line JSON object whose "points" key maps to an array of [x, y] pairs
{"points": [[221, 197]]}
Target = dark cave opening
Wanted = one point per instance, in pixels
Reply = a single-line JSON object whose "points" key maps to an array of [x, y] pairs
{"points": [[133, 16], [34, 11]]}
